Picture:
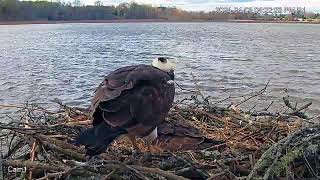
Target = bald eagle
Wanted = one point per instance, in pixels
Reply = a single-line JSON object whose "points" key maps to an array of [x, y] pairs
{"points": [[132, 100]]}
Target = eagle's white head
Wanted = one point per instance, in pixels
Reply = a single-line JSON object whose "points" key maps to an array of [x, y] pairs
{"points": [[164, 64]]}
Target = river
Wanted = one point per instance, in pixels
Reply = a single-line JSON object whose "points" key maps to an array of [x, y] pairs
{"points": [[67, 61]]}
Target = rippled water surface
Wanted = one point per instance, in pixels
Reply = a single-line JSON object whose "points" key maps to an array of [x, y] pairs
{"points": [[67, 61]]}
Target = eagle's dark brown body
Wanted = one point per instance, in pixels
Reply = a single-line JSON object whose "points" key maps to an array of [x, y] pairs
{"points": [[136, 98], [133, 100]]}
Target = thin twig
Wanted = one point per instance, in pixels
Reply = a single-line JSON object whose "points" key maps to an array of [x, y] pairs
{"points": [[254, 94]]}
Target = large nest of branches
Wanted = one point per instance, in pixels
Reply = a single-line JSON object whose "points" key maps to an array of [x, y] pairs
{"points": [[199, 140]]}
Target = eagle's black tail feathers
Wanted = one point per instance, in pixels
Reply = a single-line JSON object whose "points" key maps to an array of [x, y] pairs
{"points": [[97, 138]]}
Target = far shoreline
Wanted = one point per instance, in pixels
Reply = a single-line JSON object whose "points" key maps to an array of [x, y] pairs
{"points": [[150, 21]]}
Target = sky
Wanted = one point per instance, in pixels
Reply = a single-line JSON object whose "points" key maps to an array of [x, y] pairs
{"points": [[207, 5]]}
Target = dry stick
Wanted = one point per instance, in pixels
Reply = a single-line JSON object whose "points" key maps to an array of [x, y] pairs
{"points": [[73, 123], [255, 94], [301, 108], [69, 109], [72, 153], [197, 87], [20, 129], [215, 146], [232, 97], [184, 89], [57, 174], [11, 106], [115, 165], [67, 148], [239, 131], [58, 136], [14, 133], [17, 144], [158, 171], [251, 160], [271, 156], [137, 173], [33, 147], [23, 107], [67, 152], [108, 175], [252, 108], [32, 155], [44, 153], [59, 143], [211, 116], [287, 103], [237, 116], [227, 171], [266, 109], [63, 150], [294, 109], [63, 147], [309, 166], [222, 100], [278, 154], [216, 176]]}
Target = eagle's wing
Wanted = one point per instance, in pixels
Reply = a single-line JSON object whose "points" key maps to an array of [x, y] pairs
{"points": [[133, 97], [111, 87], [153, 96]]}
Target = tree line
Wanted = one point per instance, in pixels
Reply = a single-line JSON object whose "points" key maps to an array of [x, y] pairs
{"points": [[15, 10]]}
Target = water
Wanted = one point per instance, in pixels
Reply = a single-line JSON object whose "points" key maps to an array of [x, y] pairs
{"points": [[67, 61]]}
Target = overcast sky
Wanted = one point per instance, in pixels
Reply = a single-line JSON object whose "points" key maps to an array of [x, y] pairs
{"points": [[311, 5]]}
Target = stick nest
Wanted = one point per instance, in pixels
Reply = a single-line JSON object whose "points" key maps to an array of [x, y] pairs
{"points": [[217, 143]]}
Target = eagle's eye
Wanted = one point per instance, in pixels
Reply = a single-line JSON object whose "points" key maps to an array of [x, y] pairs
{"points": [[162, 60]]}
